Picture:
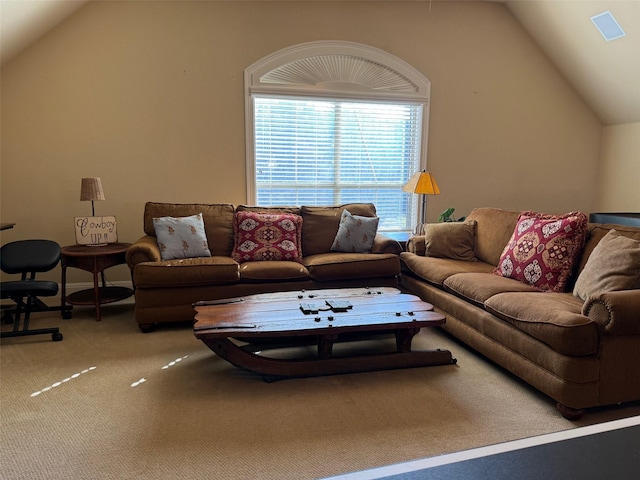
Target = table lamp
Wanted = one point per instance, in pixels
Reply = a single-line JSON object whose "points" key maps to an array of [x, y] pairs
{"points": [[422, 183], [91, 189]]}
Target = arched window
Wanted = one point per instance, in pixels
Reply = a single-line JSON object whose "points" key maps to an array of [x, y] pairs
{"points": [[334, 122]]}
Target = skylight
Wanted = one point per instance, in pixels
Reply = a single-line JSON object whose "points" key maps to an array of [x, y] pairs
{"points": [[608, 26]]}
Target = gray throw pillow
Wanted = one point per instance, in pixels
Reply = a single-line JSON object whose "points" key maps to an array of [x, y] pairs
{"points": [[181, 237], [355, 233]]}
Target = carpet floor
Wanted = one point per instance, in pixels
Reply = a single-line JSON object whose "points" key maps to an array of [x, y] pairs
{"points": [[109, 402]]}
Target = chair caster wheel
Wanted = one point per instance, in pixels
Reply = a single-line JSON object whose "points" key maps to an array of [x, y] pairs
{"points": [[56, 337], [66, 315]]}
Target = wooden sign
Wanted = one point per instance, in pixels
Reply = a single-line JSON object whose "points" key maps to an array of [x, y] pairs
{"points": [[95, 230]]}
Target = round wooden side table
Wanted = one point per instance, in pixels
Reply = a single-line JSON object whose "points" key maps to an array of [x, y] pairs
{"points": [[94, 259]]}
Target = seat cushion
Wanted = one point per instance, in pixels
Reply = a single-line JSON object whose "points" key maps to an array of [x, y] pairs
{"points": [[187, 272], [553, 318], [347, 266], [22, 288], [272, 271], [477, 288], [436, 270]]}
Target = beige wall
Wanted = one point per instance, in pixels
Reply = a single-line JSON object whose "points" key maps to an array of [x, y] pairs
{"points": [[619, 179], [149, 97]]}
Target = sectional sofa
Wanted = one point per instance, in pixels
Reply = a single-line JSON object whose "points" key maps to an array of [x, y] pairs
{"points": [[579, 344], [224, 265]]}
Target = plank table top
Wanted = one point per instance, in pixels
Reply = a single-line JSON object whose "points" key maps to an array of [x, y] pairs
{"points": [[325, 314]]}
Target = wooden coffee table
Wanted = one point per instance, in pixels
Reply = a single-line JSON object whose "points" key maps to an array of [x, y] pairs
{"points": [[325, 315]]}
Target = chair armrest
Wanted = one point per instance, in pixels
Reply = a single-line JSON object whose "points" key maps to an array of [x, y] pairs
{"points": [[144, 249], [617, 313], [417, 244], [384, 244]]}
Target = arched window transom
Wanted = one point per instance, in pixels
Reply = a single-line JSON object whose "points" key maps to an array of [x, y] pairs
{"points": [[336, 122]]}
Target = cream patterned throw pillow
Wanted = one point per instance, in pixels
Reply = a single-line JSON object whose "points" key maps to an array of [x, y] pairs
{"points": [[181, 237], [355, 233]]}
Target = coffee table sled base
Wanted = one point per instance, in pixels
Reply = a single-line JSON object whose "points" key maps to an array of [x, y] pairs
{"points": [[325, 364]]}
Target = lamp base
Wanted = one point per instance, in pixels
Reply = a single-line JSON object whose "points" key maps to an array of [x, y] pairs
{"points": [[423, 217]]}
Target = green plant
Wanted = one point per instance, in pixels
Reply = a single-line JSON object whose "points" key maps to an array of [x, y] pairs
{"points": [[447, 216]]}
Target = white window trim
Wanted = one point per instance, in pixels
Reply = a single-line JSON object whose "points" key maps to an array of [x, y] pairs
{"points": [[356, 71]]}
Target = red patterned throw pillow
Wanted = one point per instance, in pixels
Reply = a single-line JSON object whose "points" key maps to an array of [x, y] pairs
{"points": [[543, 249], [267, 236]]}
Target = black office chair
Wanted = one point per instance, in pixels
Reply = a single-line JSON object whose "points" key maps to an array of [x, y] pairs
{"points": [[28, 257]]}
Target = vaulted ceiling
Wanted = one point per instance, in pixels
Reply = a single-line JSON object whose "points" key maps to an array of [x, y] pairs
{"points": [[605, 73], [22, 22]]}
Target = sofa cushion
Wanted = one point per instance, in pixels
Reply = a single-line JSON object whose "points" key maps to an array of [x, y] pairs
{"points": [[347, 266], [218, 221], [477, 288], [355, 233], [188, 272], [543, 249], [284, 209], [553, 318], [493, 230], [267, 236], [436, 270], [181, 237], [272, 271], [614, 264], [320, 225], [454, 240]]}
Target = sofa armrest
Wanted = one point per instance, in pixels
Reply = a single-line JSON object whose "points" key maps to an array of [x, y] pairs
{"points": [[417, 244], [617, 313], [144, 249], [384, 244]]}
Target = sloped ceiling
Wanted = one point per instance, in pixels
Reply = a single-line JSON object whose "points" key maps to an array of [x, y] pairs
{"points": [[22, 22], [606, 74]]}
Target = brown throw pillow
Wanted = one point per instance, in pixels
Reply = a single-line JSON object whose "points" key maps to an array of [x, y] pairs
{"points": [[452, 240], [614, 264]]}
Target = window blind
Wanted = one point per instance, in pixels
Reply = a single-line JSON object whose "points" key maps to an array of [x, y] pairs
{"points": [[318, 151]]}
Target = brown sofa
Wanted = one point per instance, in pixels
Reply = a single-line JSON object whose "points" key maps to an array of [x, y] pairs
{"points": [[580, 353], [166, 290]]}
